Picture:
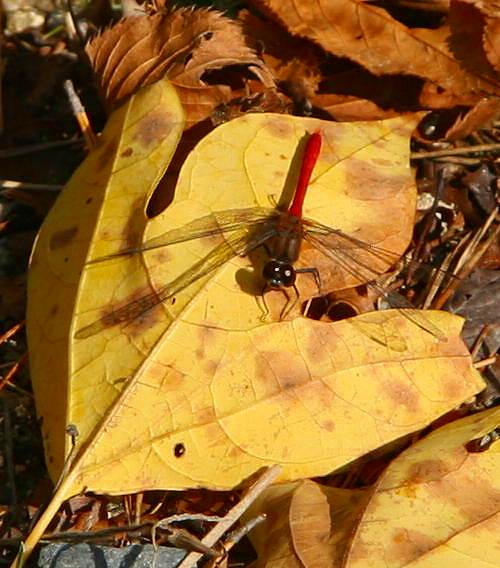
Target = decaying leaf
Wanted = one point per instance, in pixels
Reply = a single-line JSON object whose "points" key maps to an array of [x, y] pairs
{"points": [[347, 108], [437, 504], [181, 45], [368, 35]]}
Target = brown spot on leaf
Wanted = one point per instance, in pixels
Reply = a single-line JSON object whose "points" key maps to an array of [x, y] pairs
{"points": [[382, 162], [279, 128], [205, 338], [407, 545], [401, 394], [62, 238], [54, 310], [320, 344], [154, 127], [366, 182], [280, 368], [134, 228], [328, 425], [454, 387], [127, 152], [105, 153], [204, 415], [427, 471], [469, 491]]}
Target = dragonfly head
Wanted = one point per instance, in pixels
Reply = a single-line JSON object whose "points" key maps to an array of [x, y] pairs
{"points": [[279, 274]]}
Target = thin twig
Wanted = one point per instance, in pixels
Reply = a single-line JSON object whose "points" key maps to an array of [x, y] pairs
{"points": [[12, 331], [14, 369], [481, 337], [468, 266], [455, 151], [8, 453], [235, 536], [485, 362], [41, 147], [80, 114], [25, 186], [234, 514]]}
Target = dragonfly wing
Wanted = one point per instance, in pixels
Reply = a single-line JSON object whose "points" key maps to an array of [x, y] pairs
{"points": [[232, 246], [352, 256], [350, 260], [335, 239], [217, 223]]}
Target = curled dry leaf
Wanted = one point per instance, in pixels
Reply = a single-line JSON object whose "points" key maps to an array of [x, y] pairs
{"points": [[181, 45], [437, 504], [308, 525], [368, 35], [347, 108]]}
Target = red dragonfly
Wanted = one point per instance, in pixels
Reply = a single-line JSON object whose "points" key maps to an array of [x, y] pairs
{"points": [[280, 232]]}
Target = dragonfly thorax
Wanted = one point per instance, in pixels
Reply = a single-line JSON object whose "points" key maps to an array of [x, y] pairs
{"points": [[279, 274]]}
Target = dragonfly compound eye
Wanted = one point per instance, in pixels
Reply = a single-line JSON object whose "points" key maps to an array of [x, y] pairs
{"points": [[279, 274]]}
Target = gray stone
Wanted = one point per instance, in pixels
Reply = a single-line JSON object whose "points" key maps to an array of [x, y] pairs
{"points": [[64, 555]]}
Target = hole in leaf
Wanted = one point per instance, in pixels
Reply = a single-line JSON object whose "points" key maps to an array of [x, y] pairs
{"points": [[341, 310]]}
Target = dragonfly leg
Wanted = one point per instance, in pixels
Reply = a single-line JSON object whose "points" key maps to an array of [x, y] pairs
{"points": [[265, 311], [315, 272], [288, 307]]}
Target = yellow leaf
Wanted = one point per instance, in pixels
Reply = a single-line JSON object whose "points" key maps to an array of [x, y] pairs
{"points": [[437, 504], [210, 406], [211, 394], [362, 179], [72, 385], [198, 391]]}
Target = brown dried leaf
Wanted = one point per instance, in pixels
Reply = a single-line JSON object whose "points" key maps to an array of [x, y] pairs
{"points": [[467, 26], [480, 116], [369, 35], [478, 22], [181, 45], [491, 41], [433, 96], [308, 525], [345, 108], [295, 62]]}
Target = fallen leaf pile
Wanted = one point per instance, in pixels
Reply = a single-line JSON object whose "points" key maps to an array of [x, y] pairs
{"points": [[161, 360], [453, 64]]}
